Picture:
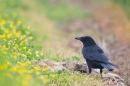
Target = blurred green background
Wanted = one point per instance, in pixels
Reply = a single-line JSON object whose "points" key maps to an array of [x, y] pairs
{"points": [[34, 30]]}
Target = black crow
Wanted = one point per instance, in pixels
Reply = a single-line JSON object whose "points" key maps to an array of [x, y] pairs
{"points": [[94, 55]]}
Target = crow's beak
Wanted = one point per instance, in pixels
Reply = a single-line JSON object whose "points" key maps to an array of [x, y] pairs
{"points": [[78, 38]]}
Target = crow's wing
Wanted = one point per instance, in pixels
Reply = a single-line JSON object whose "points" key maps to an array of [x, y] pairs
{"points": [[95, 53]]}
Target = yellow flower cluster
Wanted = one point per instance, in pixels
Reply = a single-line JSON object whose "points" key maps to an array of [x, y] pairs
{"points": [[14, 39], [17, 53], [3, 66]]}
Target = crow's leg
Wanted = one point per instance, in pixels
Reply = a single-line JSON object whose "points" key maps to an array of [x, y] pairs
{"points": [[89, 63], [90, 70], [101, 72]]}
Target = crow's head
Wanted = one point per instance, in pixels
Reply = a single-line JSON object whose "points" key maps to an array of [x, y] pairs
{"points": [[86, 40]]}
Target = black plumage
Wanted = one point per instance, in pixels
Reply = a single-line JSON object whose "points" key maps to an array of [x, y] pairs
{"points": [[94, 55]]}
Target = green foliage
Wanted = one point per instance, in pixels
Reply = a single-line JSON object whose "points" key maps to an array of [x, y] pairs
{"points": [[11, 4], [62, 11]]}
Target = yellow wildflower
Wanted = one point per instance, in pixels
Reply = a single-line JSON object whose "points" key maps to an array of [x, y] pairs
{"points": [[2, 22], [19, 22], [45, 69], [37, 73], [0, 36], [29, 52], [52, 75], [14, 56], [23, 64], [31, 38], [37, 52], [14, 48], [9, 35], [23, 36], [21, 71], [3, 36], [3, 67], [24, 48], [5, 53], [10, 41], [41, 54], [19, 49], [14, 53], [37, 55], [13, 69], [4, 39], [23, 55], [16, 45], [45, 80], [11, 22], [3, 47], [21, 43], [30, 71], [37, 68], [14, 28], [15, 39], [16, 34], [25, 40], [6, 30]]}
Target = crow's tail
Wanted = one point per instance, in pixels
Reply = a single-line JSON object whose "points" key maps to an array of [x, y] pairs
{"points": [[111, 64], [107, 66]]}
